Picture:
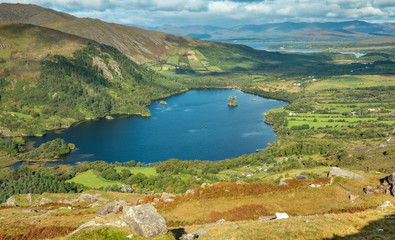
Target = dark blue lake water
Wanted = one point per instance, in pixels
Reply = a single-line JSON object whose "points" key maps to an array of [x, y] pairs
{"points": [[193, 125]]}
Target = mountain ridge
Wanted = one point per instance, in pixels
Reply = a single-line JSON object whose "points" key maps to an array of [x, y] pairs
{"points": [[292, 31], [138, 44]]}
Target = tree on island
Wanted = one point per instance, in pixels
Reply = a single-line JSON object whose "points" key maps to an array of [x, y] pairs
{"points": [[232, 102]]}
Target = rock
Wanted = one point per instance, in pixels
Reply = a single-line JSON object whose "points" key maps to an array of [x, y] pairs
{"points": [[353, 197], [2, 218], [189, 192], [282, 216], [28, 211], [145, 220], [34, 222], [167, 197], [95, 204], [129, 236], [106, 209], [10, 202], [65, 201], [87, 197], [112, 207], [390, 180], [45, 201], [283, 181], [189, 236], [200, 232], [301, 177], [385, 205], [109, 117], [85, 225], [29, 197], [220, 221], [117, 223], [338, 172], [370, 190]]}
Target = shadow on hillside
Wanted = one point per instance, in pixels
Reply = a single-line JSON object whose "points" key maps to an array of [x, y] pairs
{"points": [[178, 232], [379, 229]]}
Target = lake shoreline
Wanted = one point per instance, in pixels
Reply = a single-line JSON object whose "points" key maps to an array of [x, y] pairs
{"points": [[132, 115], [199, 115]]}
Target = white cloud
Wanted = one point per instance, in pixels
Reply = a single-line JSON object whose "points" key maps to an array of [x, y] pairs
{"points": [[222, 12]]}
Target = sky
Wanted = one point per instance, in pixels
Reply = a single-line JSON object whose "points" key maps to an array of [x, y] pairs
{"points": [[224, 13]]}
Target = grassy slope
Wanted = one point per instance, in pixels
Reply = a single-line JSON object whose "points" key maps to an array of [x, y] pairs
{"points": [[93, 180], [316, 213]]}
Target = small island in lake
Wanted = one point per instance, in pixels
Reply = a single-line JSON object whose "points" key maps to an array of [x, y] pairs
{"points": [[232, 102], [163, 103]]}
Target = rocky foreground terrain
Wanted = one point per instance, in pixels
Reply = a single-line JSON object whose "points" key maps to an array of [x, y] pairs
{"points": [[342, 205]]}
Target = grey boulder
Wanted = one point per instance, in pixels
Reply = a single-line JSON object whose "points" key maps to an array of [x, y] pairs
{"points": [[145, 220]]}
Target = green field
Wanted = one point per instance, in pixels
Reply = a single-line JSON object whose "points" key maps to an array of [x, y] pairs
{"points": [[173, 60], [148, 171], [93, 180], [352, 82]]}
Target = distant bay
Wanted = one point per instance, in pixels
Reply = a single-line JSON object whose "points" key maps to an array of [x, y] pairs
{"points": [[193, 125]]}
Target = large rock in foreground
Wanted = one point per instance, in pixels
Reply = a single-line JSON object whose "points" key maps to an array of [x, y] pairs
{"points": [[338, 172], [145, 220]]}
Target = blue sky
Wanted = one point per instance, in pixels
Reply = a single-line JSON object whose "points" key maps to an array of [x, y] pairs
{"points": [[223, 13]]}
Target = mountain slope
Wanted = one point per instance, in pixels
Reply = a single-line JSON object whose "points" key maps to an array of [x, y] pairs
{"points": [[50, 79], [32, 14], [138, 44]]}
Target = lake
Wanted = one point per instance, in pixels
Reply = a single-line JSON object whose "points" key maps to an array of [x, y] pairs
{"points": [[264, 45], [193, 125]]}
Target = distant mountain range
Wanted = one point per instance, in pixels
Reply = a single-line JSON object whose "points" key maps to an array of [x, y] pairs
{"points": [[287, 31]]}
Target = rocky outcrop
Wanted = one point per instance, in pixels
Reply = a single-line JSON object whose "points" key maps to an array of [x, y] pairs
{"points": [[385, 205], [112, 207], [145, 220], [87, 197], [29, 197], [45, 201], [387, 186], [370, 190], [10, 202], [167, 197], [338, 172], [353, 197]]}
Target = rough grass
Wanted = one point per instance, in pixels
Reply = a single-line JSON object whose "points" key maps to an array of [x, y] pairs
{"points": [[46, 232], [99, 233], [93, 180], [360, 225], [230, 201]]}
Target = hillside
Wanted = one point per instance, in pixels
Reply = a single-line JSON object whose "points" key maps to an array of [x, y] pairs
{"points": [[138, 44], [50, 79], [318, 208], [32, 14]]}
